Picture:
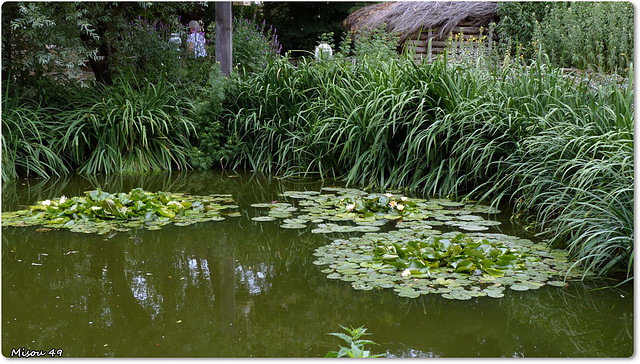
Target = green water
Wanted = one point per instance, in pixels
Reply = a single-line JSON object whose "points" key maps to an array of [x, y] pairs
{"points": [[242, 288]]}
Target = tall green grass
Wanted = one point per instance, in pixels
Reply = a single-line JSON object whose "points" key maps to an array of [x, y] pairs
{"points": [[128, 128], [29, 140], [555, 147]]}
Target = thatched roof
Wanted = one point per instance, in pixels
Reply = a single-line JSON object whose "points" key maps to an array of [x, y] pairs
{"points": [[408, 17]]}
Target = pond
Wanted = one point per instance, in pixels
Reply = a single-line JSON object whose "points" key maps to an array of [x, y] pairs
{"points": [[246, 288]]}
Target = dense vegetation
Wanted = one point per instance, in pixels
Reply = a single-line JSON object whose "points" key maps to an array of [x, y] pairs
{"points": [[557, 147]]}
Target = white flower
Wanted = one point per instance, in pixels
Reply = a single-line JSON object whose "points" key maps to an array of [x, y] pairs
{"points": [[406, 272], [46, 203], [388, 195], [404, 198], [351, 206], [63, 199], [400, 207], [95, 208], [392, 204]]}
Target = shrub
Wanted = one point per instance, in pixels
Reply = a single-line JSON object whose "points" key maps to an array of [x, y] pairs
{"points": [[254, 45], [517, 25], [589, 35], [212, 147], [145, 51]]}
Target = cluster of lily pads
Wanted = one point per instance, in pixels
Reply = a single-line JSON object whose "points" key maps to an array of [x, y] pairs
{"points": [[102, 212], [411, 256]]}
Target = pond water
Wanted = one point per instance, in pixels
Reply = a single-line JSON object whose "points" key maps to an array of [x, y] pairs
{"points": [[244, 288]]}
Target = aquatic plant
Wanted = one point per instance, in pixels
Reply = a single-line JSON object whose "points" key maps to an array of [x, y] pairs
{"points": [[102, 212], [411, 256], [356, 345]]}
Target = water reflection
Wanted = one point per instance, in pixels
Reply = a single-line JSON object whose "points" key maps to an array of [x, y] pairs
{"points": [[243, 288]]}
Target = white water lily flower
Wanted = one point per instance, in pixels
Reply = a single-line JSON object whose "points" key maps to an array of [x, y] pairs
{"points": [[392, 204], [406, 272], [404, 198], [172, 202], [388, 195], [351, 206], [46, 203], [400, 207], [63, 199]]}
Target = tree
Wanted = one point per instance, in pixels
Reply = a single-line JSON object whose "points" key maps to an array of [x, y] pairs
{"points": [[60, 38], [45, 38], [224, 36]]}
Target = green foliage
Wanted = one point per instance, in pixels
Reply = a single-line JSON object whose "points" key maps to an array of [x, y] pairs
{"points": [[589, 35], [128, 129], [254, 45], [29, 136], [356, 345], [43, 41], [518, 23], [102, 212], [376, 43], [145, 50], [212, 146], [462, 253]]}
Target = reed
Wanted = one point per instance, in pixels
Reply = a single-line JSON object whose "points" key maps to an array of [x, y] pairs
{"points": [[124, 128], [28, 140]]}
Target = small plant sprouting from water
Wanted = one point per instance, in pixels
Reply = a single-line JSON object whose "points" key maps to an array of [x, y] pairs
{"points": [[356, 345]]}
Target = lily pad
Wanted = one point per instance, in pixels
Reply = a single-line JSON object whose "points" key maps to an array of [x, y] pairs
{"points": [[519, 287], [102, 212]]}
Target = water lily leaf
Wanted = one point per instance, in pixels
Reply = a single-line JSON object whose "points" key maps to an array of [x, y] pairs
{"points": [[293, 226], [494, 272], [263, 218], [519, 287]]}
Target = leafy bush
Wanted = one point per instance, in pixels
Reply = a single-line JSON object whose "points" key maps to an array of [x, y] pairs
{"points": [[145, 51], [128, 129], [376, 43], [518, 23], [212, 147], [254, 45]]}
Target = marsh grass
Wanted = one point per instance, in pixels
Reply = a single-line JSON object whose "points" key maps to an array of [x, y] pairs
{"points": [[29, 138], [125, 128], [555, 147]]}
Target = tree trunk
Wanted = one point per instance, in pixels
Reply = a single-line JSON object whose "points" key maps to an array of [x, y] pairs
{"points": [[224, 36]]}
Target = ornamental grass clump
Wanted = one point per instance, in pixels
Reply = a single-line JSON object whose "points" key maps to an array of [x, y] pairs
{"points": [[125, 128], [29, 136]]}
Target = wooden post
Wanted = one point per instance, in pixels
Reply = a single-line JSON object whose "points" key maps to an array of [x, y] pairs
{"points": [[224, 36]]}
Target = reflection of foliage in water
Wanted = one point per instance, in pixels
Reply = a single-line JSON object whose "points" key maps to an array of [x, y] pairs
{"points": [[593, 325]]}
